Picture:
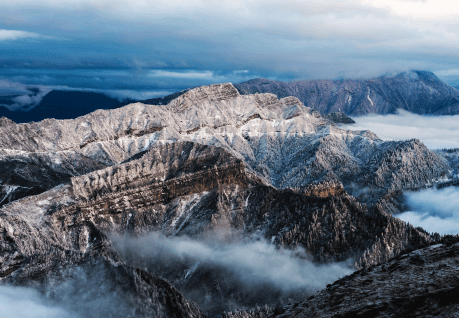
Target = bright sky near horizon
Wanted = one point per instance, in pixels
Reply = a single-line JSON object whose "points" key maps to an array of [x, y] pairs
{"points": [[152, 47]]}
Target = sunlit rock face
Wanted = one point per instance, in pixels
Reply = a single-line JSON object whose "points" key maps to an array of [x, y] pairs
{"points": [[252, 167], [418, 92], [281, 141]]}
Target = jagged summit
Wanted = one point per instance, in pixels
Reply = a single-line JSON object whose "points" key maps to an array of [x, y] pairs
{"points": [[74, 192], [6, 121], [212, 93], [280, 140]]}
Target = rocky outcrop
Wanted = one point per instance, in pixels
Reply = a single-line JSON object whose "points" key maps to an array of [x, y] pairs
{"points": [[339, 118], [157, 168], [419, 92], [322, 189], [73, 262], [23, 174], [190, 189], [203, 94], [254, 166], [422, 283], [281, 141]]}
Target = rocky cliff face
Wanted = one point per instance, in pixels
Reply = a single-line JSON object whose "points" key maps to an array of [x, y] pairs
{"points": [[419, 92], [281, 141], [422, 283], [212, 160], [187, 189]]}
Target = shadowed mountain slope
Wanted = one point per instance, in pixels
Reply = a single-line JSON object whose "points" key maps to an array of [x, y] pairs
{"points": [[64, 105], [186, 189], [418, 92], [422, 283]]}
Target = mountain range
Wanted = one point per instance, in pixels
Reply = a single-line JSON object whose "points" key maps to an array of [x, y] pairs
{"points": [[140, 210], [420, 92]]}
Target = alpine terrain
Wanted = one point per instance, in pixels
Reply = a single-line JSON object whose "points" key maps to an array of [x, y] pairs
{"points": [[419, 92], [218, 204]]}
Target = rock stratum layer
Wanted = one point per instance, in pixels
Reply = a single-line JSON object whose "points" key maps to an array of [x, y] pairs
{"points": [[75, 192], [281, 141]]}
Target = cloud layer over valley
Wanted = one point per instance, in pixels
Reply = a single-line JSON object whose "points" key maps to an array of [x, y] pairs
{"points": [[21, 302], [242, 266], [435, 210], [436, 132]]}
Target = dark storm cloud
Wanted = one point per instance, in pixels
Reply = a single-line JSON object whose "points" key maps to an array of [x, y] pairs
{"points": [[284, 40]]}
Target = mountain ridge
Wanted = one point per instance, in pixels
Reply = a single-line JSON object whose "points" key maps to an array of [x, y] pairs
{"points": [[212, 161], [420, 92]]}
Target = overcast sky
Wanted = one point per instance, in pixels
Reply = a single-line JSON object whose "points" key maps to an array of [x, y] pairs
{"points": [[156, 47]]}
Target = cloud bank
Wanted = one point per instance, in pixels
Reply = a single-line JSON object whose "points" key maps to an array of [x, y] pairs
{"points": [[21, 302], [253, 261], [284, 40], [436, 132], [17, 96], [16, 35], [433, 210], [257, 269]]}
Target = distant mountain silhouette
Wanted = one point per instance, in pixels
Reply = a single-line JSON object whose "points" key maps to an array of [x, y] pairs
{"points": [[64, 105], [70, 105], [420, 92]]}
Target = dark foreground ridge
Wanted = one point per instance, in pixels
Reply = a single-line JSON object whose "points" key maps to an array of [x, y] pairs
{"points": [[423, 283]]}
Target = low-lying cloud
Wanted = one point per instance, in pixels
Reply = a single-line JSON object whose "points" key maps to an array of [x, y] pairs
{"points": [[254, 261], [17, 96], [21, 302], [257, 269], [435, 210], [436, 132]]}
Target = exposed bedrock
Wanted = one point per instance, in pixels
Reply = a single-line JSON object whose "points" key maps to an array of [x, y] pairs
{"points": [[422, 283], [419, 92], [212, 161], [283, 142]]}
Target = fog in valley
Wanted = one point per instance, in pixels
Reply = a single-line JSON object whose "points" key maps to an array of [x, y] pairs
{"points": [[22, 302], [436, 132], [435, 210], [254, 268]]}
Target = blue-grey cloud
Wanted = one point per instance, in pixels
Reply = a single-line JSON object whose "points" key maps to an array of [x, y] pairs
{"points": [[433, 210], [17, 34], [285, 40], [254, 262]]}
